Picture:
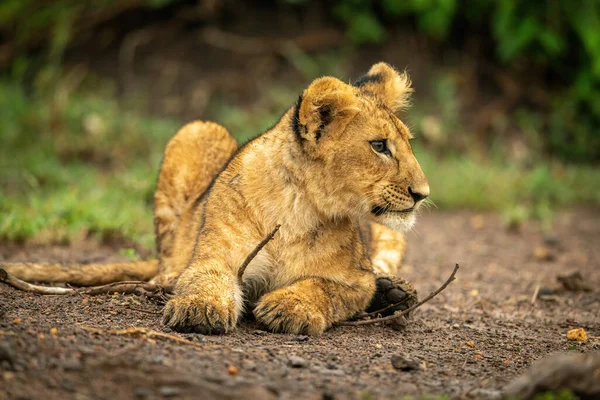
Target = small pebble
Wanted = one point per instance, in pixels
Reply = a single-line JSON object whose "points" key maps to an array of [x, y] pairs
{"points": [[404, 364], [300, 338], [169, 391], [297, 362], [546, 291], [250, 365], [72, 365], [143, 393], [7, 354]]}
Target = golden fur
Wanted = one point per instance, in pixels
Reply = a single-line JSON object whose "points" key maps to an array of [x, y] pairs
{"points": [[342, 205]]}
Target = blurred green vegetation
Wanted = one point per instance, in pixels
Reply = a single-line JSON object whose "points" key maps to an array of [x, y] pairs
{"points": [[75, 164], [78, 160], [559, 40]]}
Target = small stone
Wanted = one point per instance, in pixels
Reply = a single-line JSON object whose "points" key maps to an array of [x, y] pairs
{"points": [[404, 364], [334, 372], [159, 359], [297, 362], [7, 354], [259, 332], [169, 391], [249, 365], [54, 331], [72, 365], [300, 338], [143, 393]]}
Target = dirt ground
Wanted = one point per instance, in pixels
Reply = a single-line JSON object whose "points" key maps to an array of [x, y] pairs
{"points": [[468, 342]]}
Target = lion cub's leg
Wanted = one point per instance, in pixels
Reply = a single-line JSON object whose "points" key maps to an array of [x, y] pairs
{"points": [[312, 305], [208, 299], [193, 157], [386, 249]]}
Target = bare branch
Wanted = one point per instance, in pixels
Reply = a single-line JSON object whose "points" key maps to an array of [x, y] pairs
{"points": [[28, 287], [365, 315], [131, 287], [408, 310], [254, 252]]}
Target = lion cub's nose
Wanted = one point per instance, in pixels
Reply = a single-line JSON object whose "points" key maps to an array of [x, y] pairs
{"points": [[419, 193]]}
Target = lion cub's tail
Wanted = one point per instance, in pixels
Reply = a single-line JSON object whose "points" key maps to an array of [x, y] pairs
{"points": [[82, 274]]}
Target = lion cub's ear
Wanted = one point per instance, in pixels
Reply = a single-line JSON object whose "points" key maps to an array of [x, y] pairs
{"points": [[325, 104], [388, 85]]}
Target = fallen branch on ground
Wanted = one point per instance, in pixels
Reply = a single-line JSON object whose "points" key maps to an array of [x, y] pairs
{"points": [[128, 287], [408, 310]]}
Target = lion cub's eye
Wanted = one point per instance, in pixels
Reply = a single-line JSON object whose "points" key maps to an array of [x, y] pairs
{"points": [[380, 146]]}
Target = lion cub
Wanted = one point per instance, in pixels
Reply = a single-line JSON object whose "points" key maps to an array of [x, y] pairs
{"points": [[337, 172]]}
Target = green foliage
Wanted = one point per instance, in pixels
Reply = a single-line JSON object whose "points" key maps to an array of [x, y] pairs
{"points": [[361, 21], [434, 17], [560, 37], [75, 164]]}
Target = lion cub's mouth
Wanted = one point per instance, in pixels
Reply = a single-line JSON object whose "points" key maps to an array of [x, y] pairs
{"points": [[379, 210]]}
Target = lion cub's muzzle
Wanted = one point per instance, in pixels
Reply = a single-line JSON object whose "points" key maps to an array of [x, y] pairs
{"points": [[396, 200]]}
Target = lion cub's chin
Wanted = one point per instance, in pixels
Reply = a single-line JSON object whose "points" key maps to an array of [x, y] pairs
{"points": [[403, 223]]}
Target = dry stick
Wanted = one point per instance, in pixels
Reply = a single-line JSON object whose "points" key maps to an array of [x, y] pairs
{"points": [[408, 310], [535, 294], [135, 287], [28, 287], [382, 310], [258, 248]]}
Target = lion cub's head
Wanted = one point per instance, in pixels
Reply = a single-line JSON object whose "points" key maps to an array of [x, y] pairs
{"points": [[359, 161]]}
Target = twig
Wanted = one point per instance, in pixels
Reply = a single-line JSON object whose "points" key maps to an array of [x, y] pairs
{"points": [[382, 310], [408, 310], [254, 252], [535, 294], [28, 287], [128, 287]]}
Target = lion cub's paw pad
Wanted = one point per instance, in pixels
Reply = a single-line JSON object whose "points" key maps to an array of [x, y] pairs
{"points": [[390, 291], [289, 314], [191, 314]]}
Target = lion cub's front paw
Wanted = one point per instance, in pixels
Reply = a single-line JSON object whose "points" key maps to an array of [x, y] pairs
{"points": [[392, 294], [196, 313], [286, 311]]}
